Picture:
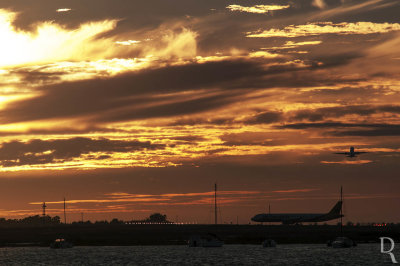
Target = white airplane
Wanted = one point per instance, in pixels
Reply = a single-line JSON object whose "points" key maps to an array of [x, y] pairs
{"points": [[291, 218], [352, 153]]}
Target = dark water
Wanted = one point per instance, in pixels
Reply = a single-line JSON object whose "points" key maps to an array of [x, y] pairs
{"points": [[364, 254]]}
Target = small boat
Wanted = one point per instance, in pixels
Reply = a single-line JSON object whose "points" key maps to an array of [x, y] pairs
{"points": [[61, 243], [195, 241], [342, 242], [208, 241], [269, 243]]}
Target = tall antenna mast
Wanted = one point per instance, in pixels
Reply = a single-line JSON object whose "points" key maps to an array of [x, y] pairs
{"points": [[44, 209], [341, 210], [215, 203], [65, 215]]}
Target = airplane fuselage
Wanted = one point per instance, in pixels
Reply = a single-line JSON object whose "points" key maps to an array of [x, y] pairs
{"points": [[351, 153], [291, 218]]}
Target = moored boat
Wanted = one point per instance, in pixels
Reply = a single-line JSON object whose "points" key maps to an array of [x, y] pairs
{"points": [[342, 242], [208, 241], [269, 243], [61, 243]]}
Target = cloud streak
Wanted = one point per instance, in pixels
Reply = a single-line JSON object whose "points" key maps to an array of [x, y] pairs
{"points": [[257, 9], [318, 28], [347, 162], [16, 153]]}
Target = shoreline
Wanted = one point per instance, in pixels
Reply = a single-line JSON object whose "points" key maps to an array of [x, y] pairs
{"points": [[171, 234]]}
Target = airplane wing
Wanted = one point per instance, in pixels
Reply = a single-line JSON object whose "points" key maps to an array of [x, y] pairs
{"points": [[345, 153]]}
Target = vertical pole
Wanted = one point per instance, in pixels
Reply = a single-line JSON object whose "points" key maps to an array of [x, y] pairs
{"points": [[44, 212], [269, 212], [65, 215], [215, 203], [341, 211], [44, 209]]}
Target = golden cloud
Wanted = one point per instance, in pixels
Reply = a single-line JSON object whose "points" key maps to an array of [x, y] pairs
{"points": [[347, 162], [291, 45], [174, 44], [258, 9], [129, 42], [319, 28], [63, 9], [51, 43]]}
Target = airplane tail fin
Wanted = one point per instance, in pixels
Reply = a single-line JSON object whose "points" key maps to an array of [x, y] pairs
{"points": [[335, 211]]}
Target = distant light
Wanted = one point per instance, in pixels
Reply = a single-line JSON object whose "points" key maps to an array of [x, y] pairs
{"points": [[63, 9], [380, 225]]}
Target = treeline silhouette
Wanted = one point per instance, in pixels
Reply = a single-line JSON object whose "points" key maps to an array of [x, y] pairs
{"points": [[38, 220], [153, 218], [32, 220]]}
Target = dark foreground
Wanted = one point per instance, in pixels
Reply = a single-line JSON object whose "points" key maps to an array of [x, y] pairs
{"points": [[294, 254], [112, 235]]}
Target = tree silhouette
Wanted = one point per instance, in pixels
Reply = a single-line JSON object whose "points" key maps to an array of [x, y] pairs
{"points": [[157, 218]]}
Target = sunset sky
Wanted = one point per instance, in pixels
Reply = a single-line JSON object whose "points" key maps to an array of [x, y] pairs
{"points": [[127, 108]]}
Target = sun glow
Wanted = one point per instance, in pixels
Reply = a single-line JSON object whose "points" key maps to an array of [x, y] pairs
{"points": [[51, 42]]}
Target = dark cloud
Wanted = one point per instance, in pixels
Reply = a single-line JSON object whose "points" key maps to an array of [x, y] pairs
{"points": [[63, 131], [389, 130], [248, 138], [38, 151], [36, 76], [130, 95], [267, 117], [139, 14], [336, 112], [335, 124], [341, 129], [198, 121], [127, 90], [171, 109], [312, 115], [189, 138], [249, 143]]}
